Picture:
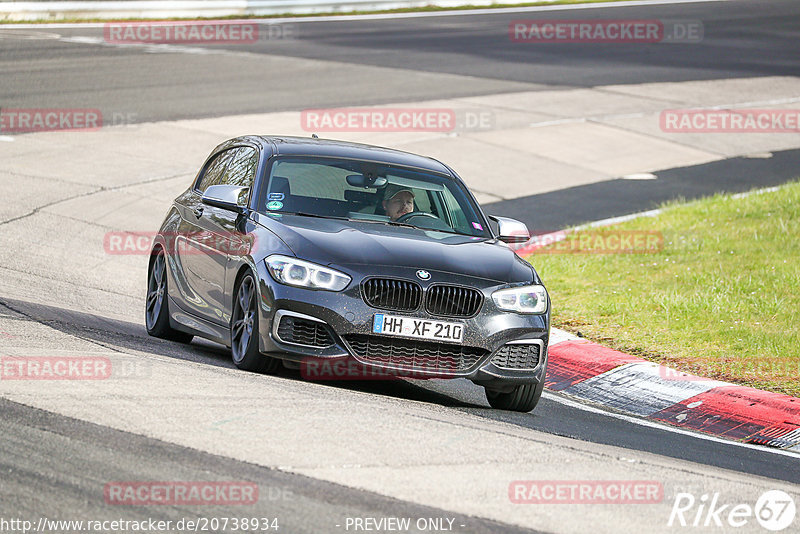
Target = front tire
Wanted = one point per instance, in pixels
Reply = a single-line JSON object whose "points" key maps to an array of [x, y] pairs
{"points": [[244, 330], [522, 398], [156, 310]]}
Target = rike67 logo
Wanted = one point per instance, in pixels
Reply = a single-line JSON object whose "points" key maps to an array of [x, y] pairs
{"points": [[774, 510]]}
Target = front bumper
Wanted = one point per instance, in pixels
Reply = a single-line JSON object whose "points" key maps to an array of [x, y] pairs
{"points": [[346, 314]]}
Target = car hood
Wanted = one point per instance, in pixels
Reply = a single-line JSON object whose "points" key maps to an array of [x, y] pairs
{"points": [[356, 243]]}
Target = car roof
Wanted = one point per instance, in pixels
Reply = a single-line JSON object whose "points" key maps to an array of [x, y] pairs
{"points": [[309, 146]]}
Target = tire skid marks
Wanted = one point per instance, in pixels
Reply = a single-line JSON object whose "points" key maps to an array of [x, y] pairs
{"points": [[645, 390], [576, 360]]}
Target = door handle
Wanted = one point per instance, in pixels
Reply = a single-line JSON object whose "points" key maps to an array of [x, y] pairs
{"points": [[198, 212]]}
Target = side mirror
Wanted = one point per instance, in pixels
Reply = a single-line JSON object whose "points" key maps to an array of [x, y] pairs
{"points": [[511, 230], [227, 197]]}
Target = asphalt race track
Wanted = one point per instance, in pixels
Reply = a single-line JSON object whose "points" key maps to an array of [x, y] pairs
{"points": [[385, 61], [323, 453]]}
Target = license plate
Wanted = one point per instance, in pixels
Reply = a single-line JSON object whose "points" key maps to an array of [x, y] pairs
{"points": [[394, 325]]}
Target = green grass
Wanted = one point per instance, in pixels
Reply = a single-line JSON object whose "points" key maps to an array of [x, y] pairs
{"points": [[721, 299], [423, 9]]}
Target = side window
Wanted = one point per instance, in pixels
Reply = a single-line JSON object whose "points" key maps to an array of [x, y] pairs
{"points": [[215, 169], [242, 170], [459, 219]]}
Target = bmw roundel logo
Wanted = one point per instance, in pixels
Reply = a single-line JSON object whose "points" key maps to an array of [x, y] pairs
{"points": [[423, 275]]}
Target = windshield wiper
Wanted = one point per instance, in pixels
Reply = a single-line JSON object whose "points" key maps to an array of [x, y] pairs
{"points": [[315, 215], [454, 232], [407, 225], [393, 223]]}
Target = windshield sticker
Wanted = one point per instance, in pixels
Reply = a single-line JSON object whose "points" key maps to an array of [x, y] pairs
{"points": [[477, 226], [274, 205], [275, 196]]}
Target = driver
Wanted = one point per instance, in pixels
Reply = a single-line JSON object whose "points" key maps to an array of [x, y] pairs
{"points": [[397, 201]]}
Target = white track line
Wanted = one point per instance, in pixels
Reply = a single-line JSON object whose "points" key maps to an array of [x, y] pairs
{"points": [[561, 399], [653, 213]]}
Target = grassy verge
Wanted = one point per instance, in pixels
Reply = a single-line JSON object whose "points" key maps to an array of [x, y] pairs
{"points": [[424, 9], [721, 299]]}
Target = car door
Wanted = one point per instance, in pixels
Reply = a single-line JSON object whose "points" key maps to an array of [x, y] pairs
{"points": [[241, 172], [203, 243]]}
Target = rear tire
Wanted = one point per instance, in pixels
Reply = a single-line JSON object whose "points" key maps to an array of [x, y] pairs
{"points": [[156, 308], [245, 332], [522, 398]]}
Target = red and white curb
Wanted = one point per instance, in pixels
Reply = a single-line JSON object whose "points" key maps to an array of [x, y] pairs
{"points": [[625, 383]]}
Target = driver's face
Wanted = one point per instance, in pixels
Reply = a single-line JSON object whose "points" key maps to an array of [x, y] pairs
{"points": [[399, 205]]}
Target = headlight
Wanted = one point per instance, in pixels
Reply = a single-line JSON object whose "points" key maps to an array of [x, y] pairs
{"points": [[294, 272], [524, 299]]}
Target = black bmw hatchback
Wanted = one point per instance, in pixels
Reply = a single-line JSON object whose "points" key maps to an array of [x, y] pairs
{"points": [[301, 252]]}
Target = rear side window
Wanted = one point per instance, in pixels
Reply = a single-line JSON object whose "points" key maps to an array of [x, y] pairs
{"points": [[242, 169], [215, 170], [456, 212]]}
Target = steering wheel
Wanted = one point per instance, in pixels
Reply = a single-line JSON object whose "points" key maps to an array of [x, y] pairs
{"points": [[427, 221], [407, 216]]}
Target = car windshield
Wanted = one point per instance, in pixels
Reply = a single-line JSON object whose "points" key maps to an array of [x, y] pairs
{"points": [[372, 192]]}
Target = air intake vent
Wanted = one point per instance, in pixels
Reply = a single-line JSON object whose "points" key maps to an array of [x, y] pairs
{"points": [[414, 355], [304, 332], [517, 356], [453, 301], [389, 294]]}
